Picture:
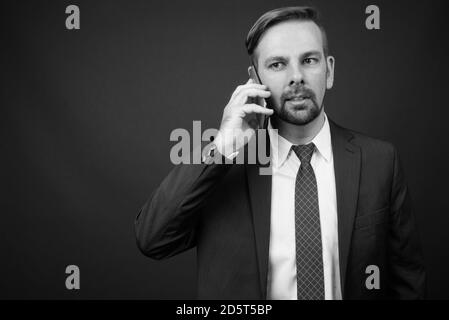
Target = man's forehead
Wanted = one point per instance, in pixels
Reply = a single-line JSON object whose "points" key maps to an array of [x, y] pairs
{"points": [[290, 38]]}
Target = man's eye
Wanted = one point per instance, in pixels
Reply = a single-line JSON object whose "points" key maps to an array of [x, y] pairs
{"points": [[276, 65], [310, 60]]}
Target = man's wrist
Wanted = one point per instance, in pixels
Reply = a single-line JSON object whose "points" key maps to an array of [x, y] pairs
{"points": [[225, 149]]}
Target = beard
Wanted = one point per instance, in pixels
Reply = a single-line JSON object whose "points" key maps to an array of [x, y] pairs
{"points": [[298, 111]]}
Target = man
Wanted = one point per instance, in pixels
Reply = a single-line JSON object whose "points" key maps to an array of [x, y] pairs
{"points": [[332, 221]]}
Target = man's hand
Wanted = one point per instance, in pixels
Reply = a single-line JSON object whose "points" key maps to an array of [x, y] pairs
{"points": [[240, 117]]}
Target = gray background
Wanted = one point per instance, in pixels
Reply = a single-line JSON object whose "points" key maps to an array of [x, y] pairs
{"points": [[86, 117]]}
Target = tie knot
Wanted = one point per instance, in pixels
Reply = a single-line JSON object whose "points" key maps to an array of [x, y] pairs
{"points": [[304, 152]]}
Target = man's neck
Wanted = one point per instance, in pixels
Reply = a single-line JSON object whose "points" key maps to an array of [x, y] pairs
{"points": [[299, 134]]}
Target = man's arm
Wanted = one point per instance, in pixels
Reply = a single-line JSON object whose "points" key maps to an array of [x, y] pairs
{"points": [[166, 224], [407, 276]]}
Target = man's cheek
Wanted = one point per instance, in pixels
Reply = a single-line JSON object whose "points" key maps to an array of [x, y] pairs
{"points": [[273, 102]]}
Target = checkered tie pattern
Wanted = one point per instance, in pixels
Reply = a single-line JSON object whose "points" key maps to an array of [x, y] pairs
{"points": [[309, 260]]}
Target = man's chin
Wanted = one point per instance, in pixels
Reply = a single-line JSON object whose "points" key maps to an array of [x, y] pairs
{"points": [[299, 116]]}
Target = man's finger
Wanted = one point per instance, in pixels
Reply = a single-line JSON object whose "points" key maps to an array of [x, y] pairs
{"points": [[252, 93], [246, 86], [255, 108]]}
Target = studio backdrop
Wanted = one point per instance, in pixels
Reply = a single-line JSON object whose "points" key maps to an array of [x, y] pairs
{"points": [[87, 111]]}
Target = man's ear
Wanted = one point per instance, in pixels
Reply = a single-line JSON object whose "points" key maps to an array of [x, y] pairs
{"points": [[249, 71], [330, 64]]}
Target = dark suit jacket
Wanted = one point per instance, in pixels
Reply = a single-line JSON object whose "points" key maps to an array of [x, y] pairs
{"points": [[224, 210]]}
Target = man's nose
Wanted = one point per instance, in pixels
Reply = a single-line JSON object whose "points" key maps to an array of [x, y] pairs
{"points": [[296, 76]]}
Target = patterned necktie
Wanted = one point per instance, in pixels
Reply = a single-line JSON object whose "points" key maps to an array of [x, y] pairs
{"points": [[309, 260]]}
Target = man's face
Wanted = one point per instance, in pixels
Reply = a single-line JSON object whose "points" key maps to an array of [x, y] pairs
{"points": [[291, 63]]}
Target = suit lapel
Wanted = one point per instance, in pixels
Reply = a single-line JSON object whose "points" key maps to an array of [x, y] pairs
{"points": [[347, 160], [259, 188]]}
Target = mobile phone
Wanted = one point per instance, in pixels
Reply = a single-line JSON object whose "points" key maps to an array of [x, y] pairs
{"points": [[262, 119]]}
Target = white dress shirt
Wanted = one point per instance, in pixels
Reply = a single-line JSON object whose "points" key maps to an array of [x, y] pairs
{"points": [[282, 254]]}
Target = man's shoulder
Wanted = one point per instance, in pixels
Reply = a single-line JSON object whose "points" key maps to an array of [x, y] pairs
{"points": [[369, 145]]}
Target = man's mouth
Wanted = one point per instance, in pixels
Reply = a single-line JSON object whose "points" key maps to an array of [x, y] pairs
{"points": [[298, 98]]}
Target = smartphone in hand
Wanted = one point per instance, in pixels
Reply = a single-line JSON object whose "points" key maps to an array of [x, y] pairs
{"points": [[262, 119]]}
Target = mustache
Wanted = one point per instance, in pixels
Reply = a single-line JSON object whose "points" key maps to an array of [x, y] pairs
{"points": [[296, 92]]}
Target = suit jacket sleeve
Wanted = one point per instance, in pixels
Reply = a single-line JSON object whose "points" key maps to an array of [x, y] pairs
{"points": [[407, 277], [166, 224]]}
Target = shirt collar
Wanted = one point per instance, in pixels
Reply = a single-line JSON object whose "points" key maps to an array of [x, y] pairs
{"points": [[280, 147]]}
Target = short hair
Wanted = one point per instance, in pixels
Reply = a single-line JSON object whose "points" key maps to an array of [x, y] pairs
{"points": [[276, 16]]}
